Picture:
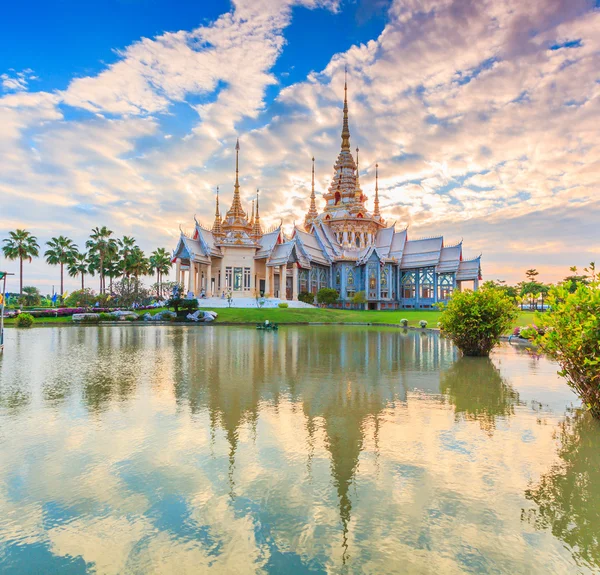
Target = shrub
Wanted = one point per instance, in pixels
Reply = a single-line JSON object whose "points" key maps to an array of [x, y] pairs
{"points": [[423, 323], [24, 320], [572, 337], [359, 298], [189, 304], [530, 332], [404, 322], [106, 317], [131, 318], [31, 297], [86, 298], [92, 319], [283, 305], [306, 297], [474, 321], [327, 296]]}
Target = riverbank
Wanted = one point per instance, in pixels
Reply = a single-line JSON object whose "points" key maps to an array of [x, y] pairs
{"points": [[311, 315]]}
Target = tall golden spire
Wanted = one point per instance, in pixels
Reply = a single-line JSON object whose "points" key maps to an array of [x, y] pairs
{"points": [[257, 230], [236, 213], [345, 128], [376, 210], [216, 229], [312, 213]]}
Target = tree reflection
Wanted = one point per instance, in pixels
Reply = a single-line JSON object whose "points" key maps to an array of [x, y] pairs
{"points": [[478, 392], [568, 496]]}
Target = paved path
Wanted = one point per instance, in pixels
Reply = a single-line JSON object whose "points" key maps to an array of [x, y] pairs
{"points": [[248, 302]]}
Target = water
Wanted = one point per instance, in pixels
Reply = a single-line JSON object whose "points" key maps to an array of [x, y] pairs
{"points": [[312, 450]]}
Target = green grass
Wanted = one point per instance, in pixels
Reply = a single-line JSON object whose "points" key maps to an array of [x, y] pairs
{"points": [[311, 315]]}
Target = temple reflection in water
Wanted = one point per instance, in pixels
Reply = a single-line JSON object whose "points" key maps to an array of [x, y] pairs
{"points": [[329, 449]]}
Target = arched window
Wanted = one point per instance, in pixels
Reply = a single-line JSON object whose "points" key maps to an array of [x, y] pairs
{"points": [[350, 281], [358, 241], [337, 198]]}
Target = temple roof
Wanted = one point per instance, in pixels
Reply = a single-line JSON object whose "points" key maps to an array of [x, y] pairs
{"points": [[311, 247], [449, 259], [281, 254], [267, 243], [421, 253], [469, 270]]}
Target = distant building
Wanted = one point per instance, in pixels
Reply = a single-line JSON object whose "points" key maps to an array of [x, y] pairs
{"points": [[345, 247]]}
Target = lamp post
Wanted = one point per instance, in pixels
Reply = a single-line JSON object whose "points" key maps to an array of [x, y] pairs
{"points": [[3, 299]]}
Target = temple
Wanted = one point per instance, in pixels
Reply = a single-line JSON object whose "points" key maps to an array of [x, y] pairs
{"points": [[345, 246]]}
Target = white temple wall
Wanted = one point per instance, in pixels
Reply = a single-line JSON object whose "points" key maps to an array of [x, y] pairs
{"points": [[237, 258]]}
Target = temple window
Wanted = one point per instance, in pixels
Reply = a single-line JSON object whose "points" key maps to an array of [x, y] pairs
{"points": [[445, 286], [426, 283], [358, 241], [322, 278], [372, 280], [337, 197], [303, 280], [350, 281], [246, 278], [237, 279], [338, 278], [228, 278], [408, 285], [385, 282], [313, 281]]}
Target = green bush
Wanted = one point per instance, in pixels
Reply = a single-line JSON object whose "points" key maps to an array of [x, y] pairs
{"points": [[306, 297], [106, 317], [423, 323], [91, 319], [327, 296], [359, 298], [572, 337], [31, 297], [24, 320], [475, 320], [87, 298], [404, 322], [283, 305]]}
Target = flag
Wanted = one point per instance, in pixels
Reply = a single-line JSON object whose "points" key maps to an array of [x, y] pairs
{"points": [[64, 296], [1, 299]]}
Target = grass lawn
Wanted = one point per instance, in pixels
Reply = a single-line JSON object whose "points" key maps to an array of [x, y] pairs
{"points": [[314, 315]]}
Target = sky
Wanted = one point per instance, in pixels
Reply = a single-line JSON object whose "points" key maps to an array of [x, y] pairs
{"points": [[482, 115]]}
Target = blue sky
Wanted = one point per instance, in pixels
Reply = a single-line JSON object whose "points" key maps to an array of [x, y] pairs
{"points": [[481, 114]]}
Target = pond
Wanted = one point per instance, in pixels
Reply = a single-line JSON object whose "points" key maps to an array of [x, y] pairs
{"points": [[158, 449]]}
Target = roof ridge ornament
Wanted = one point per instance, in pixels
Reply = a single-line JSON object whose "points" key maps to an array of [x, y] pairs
{"points": [[345, 126]]}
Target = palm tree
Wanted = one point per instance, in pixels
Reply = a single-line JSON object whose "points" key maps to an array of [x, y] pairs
{"points": [[126, 246], [102, 248], [160, 262], [20, 245], [79, 265], [137, 264], [61, 251]]}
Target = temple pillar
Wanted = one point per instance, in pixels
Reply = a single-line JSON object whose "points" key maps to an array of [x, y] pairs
{"points": [[295, 282], [435, 287], [267, 281], [223, 285], [190, 282], [476, 284], [283, 282], [178, 270], [208, 286]]}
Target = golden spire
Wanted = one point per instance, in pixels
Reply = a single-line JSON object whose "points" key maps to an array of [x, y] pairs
{"points": [[257, 230], [216, 229], [376, 210], [252, 217], [236, 212], [345, 128], [312, 214]]}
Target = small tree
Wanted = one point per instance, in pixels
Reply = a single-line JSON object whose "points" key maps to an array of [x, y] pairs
{"points": [[572, 337], [306, 297], [359, 298], [474, 321], [31, 297], [327, 296]]}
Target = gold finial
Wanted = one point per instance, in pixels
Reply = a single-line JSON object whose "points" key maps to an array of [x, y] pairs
{"points": [[237, 154], [312, 214], [216, 229], [252, 212], [345, 128], [236, 217], [217, 203], [257, 229], [376, 210]]}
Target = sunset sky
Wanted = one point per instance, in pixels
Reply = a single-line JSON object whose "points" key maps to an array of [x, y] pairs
{"points": [[484, 117]]}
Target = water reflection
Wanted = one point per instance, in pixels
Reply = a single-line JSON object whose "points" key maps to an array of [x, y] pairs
{"points": [[478, 391], [568, 496], [163, 449]]}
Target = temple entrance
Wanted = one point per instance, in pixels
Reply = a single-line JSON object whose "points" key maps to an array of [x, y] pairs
{"points": [[261, 288], [289, 288], [372, 305]]}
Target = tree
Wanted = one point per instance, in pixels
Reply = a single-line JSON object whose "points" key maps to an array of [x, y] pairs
{"points": [[474, 321], [327, 296], [19, 246], [531, 274], [160, 263], [79, 265], [126, 246], [61, 251], [571, 336], [136, 263], [102, 249]]}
